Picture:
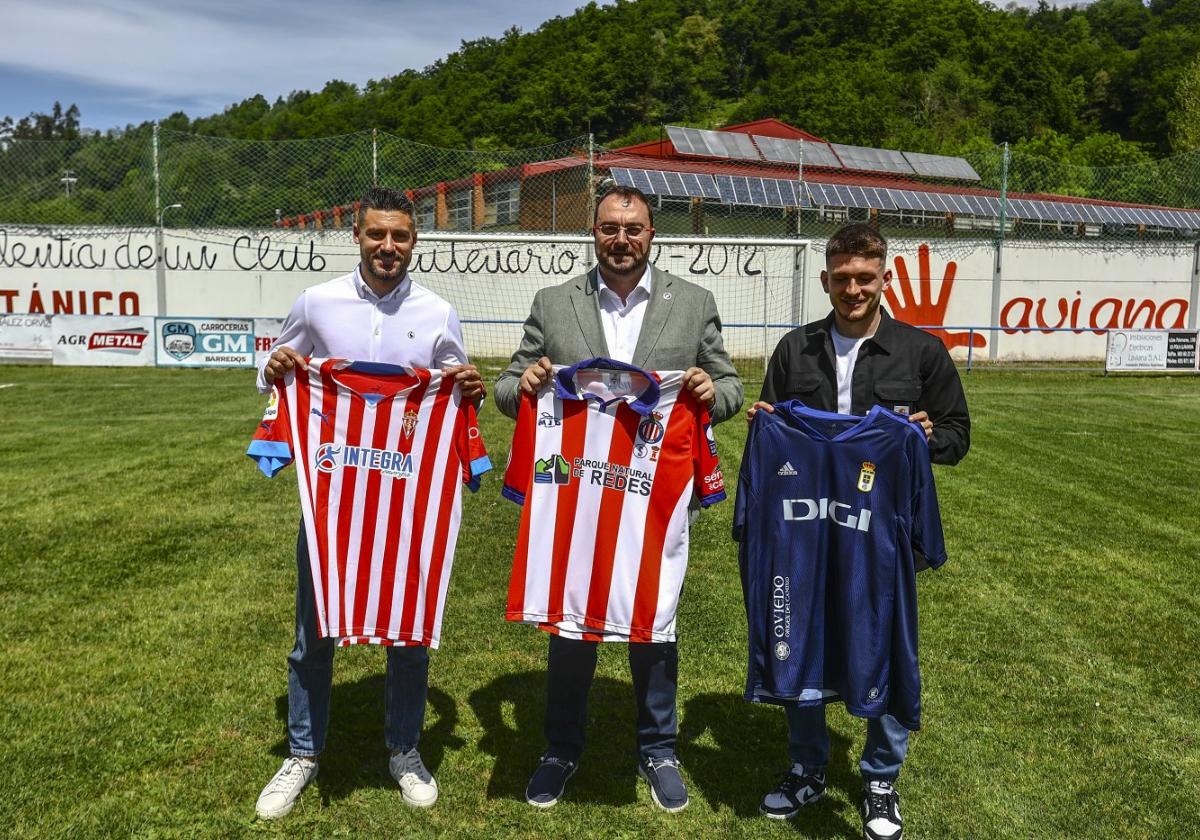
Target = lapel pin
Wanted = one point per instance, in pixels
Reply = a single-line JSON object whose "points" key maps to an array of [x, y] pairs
{"points": [[666, 295], [412, 334]]}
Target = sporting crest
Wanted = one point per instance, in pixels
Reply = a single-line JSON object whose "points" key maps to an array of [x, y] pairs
{"points": [[410, 423], [866, 477]]}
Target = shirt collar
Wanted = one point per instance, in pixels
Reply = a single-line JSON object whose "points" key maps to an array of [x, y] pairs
{"points": [[565, 389], [367, 293], [884, 337], [642, 289]]}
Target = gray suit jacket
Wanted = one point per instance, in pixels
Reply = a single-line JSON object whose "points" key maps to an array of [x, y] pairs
{"points": [[681, 329]]}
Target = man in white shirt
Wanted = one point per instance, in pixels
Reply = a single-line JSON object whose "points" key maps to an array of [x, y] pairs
{"points": [[630, 311], [376, 313]]}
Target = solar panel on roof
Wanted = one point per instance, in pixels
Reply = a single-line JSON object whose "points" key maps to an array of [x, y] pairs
{"points": [[873, 160], [778, 149], [758, 195], [771, 190], [675, 184], [1142, 215], [817, 154], [725, 188], [924, 201], [1176, 219], [738, 145], [683, 141], [958, 204], [815, 193], [977, 206], [699, 185], [941, 166], [902, 199], [1108, 214], [1072, 212]]}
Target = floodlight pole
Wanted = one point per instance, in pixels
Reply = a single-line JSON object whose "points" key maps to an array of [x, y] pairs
{"points": [[160, 264]]}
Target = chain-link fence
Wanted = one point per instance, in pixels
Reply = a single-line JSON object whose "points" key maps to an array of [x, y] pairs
{"points": [[150, 177]]}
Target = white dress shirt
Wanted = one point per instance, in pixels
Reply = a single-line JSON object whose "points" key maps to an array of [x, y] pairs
{"points": [[622, 322], [344, 319]]}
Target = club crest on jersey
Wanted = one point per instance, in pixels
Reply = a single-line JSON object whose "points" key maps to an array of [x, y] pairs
{"points": [[651, 430], [782, 651], [866, 478], [410, 423], [552, 470]]}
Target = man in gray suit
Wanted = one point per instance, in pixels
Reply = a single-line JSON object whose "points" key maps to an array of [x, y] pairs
{"points": [[628, 310]]}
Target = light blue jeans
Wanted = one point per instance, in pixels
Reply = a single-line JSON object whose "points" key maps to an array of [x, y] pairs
{"points": [[310, 678], [808, 743]]}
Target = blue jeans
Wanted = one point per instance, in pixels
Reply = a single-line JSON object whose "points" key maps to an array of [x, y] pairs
{"points": [[808, 743], [570, 668], [310, 678]]}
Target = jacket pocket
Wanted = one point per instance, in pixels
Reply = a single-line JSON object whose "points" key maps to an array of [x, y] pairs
{"points": [[898, 395], [801, 385]]}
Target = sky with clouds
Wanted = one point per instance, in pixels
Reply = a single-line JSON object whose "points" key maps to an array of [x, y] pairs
{"points": [[126, 61]]}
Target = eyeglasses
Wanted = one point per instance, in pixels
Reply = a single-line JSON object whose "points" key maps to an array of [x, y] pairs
{"points": [[611, 230]]}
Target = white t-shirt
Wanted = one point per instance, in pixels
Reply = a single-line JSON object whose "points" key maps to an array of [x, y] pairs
{"points": [[846, 351]]}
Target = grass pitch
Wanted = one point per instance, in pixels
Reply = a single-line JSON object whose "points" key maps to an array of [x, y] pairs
{"points": [[147, 584]]}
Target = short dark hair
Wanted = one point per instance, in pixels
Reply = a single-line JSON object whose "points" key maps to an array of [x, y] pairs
{"points": [[857, 239], [384, 198], [628, 192]]}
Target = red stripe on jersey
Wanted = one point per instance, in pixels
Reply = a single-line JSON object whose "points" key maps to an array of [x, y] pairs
{"points": [[574, 435], [346, 514], [519, 463], [412, 582], [328, 395], [369, 518], [673, 472], [452, 474], [608, 523], [395, 512]]}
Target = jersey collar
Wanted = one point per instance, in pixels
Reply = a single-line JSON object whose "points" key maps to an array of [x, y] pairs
{"points": [[565, 388]]}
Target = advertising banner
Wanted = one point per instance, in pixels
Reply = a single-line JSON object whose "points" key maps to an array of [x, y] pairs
{"points": [[266, 330], [25, 338], [204, 342], [1152, 350], [102, 340]]}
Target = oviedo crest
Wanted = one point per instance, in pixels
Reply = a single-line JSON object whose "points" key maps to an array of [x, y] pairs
{"points": [[410, 423], [866, 477]]}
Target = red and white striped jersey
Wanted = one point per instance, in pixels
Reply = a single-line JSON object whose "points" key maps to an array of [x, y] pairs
{"points": [[605, 459], [383, 452]]}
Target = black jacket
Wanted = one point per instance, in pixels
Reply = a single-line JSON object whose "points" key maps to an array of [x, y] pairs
{"points": [[900, 368]]}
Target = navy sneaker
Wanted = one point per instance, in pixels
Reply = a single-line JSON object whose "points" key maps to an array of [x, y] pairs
{"points": [[548, 781], [797, 787], [666, 785], [881, 812]]}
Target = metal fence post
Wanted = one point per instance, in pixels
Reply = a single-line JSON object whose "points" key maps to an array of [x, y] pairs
{"points": [[997, 263], [157, 185], [591, 174], [374, 157], [1194, 302]]}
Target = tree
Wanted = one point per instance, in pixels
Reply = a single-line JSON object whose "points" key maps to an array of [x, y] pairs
{"points": [[1185, 116]]}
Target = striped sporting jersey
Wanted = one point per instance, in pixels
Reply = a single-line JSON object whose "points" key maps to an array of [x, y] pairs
{"points": [[383, 453], [605, 459]]}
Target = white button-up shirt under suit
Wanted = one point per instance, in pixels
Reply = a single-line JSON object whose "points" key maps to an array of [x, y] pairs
{"points": [[622, 321]]}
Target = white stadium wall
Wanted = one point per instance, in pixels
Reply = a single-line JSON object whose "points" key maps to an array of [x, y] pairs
{"points": [[760, 290]]}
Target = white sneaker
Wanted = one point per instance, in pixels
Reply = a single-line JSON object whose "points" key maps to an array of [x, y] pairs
{"points": [[416, 782], [281, 793]]}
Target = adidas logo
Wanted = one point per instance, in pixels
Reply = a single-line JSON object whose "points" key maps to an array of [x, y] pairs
{"points": [[787, 469]]}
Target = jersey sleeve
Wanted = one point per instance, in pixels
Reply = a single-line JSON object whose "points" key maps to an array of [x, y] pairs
{"points": [[520, 455], [709, 483], [928, 541], [745, 491], [272, 443], [471, 452]]}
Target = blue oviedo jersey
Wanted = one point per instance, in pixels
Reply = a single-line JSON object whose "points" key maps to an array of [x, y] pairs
{"points": [[834, 515]]}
